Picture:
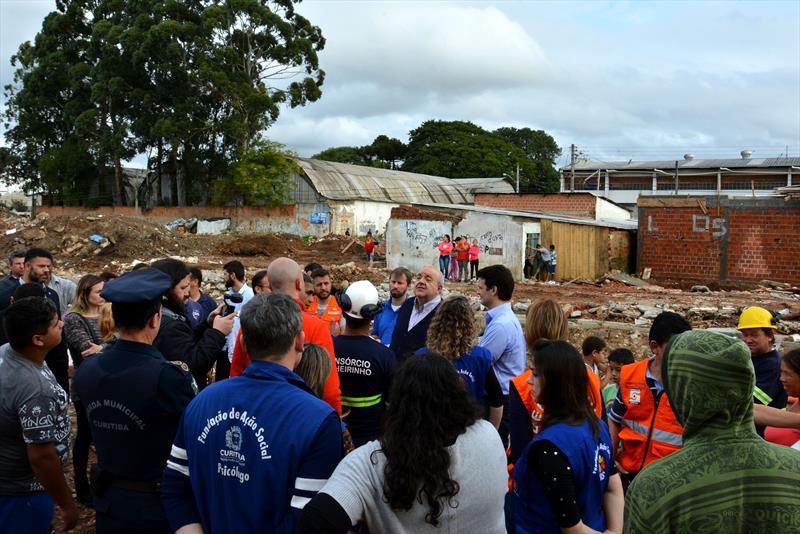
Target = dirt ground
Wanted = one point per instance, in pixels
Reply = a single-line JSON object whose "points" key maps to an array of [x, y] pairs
{"points": [[619, 312]]}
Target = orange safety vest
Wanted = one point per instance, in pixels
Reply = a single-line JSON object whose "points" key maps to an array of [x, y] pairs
{"points": [[647, 436], [332, 314]]}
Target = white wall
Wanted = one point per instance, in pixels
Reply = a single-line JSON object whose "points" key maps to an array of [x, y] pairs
{"points": [[608, 210], [500, 237], [414, 244], [360, 216]]}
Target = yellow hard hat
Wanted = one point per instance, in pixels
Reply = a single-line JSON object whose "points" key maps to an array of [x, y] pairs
{"points": [[756, 317]]}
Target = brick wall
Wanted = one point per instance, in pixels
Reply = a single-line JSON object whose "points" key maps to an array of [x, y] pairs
{"points": [[578, 204], [739, 240]]}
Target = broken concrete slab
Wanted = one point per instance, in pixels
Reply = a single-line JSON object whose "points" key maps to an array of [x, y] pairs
{"points": [[627, 279], [700, 289], [213, 226]]}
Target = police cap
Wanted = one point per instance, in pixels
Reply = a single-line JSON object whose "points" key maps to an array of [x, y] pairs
{"points": [[137, 287]]}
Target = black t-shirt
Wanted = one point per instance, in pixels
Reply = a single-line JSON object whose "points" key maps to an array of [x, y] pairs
{"points": [[365, 370]]}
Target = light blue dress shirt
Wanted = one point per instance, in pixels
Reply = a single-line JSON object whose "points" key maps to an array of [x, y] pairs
{"points": [[504, 339]]}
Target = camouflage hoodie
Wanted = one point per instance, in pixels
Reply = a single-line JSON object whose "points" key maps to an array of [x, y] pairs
{"points": [[725, 478]]}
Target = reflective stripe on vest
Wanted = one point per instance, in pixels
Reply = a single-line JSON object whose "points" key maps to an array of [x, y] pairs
{"points": [[362, 402], [761, 395], [658, 435]]}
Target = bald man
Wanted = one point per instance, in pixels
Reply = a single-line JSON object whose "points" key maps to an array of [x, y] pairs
{"points": [[414, 318], [285, 277]]}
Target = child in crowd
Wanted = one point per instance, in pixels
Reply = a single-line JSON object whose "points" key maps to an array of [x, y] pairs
{"points": [[616, 359], [594, 351]]}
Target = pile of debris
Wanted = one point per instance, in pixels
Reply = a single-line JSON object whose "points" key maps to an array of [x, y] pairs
{"points": [[88, 240]]}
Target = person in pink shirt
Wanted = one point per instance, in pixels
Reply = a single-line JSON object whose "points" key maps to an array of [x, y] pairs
{"points": [[445, 248], [474, 252], [790, 379]]}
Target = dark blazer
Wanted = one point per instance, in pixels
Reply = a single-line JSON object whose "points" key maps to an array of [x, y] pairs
{"points": [[405, 342]]}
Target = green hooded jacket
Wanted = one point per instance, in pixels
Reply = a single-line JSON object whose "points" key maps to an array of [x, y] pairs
{"points": [[725, 479]]}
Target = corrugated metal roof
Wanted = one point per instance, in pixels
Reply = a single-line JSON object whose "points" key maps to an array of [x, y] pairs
{"points": [[486, 185], [342, 181], [732, 163], [622, 224]]}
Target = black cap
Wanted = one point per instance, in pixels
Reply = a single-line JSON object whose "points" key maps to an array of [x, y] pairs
{"points": [[137, 287]]}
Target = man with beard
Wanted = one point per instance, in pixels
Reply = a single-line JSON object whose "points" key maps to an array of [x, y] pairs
{"points": [[233, 274], [324, 305], [201, 348], [16, 264], [411, 331], [39, 270], [383, 325]]}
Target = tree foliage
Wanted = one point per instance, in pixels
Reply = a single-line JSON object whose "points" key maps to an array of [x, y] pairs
{"points": [[458, 149], [258, 178], [192, 83]]}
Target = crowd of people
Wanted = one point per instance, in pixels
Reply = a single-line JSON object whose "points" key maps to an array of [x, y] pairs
{"points": [[292, 406]]}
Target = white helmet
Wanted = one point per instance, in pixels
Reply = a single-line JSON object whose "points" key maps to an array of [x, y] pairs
{"points": [[360, 300]]}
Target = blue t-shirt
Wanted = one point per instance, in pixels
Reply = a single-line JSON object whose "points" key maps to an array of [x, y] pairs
{"points": [[472, 368], [383, 325]]}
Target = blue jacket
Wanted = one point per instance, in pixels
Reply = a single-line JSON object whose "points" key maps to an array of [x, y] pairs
{"points": [[250, 452], [383, 325]]}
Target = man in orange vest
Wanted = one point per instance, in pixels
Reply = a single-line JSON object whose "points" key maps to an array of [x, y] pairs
{"points": [[641, 416], [284, 276], [324, 304]]}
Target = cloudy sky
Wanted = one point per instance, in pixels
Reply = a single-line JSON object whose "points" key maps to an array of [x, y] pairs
{"points": [[621, 80]]}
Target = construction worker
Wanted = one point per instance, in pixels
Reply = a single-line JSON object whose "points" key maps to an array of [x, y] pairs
{"points": [[757, 327], [324, 304], [365, 366], [285, 277], [641, 415]]}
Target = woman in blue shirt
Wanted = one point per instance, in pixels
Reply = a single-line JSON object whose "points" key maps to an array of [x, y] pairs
{"points": [[565, 481], [453, 333]]}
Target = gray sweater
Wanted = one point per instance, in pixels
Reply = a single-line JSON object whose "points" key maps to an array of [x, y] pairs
{"points": [[477, 462]]}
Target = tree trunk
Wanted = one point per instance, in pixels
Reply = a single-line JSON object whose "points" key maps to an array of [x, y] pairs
{"points": [[175, 173], [119, 192], [180, 179], [159, 176]]}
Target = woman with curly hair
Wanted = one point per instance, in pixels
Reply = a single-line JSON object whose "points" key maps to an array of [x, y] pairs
{"points": [[453, 333], [437, 468]]}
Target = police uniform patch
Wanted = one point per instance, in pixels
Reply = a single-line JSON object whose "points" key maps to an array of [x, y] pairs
{"points": [[180, 364]]}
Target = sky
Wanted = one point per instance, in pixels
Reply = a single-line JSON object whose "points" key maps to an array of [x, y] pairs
{"points": [[620, 80]]}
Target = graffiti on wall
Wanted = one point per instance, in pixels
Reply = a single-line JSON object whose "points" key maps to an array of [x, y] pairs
{"points": [[491, 243], [703, 223]]}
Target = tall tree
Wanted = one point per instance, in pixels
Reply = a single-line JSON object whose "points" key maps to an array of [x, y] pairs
{"points": [[541, 149], [388, 150], [353, 155], [458, 149], [196, 81]]}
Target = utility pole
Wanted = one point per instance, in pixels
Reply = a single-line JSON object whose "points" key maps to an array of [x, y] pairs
{"points": [[573, 155], [518, 177], [677, 179]]}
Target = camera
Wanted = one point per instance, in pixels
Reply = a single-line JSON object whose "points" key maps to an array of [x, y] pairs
{"points": [[231, 299]]}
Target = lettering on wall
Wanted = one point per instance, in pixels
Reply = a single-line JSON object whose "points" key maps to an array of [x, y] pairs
{"points": [[421, 235], [653, 229], [703, 223], [491, 243]]}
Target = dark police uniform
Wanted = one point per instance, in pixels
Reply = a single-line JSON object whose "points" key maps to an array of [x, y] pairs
{"points": [[134, 399]]}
